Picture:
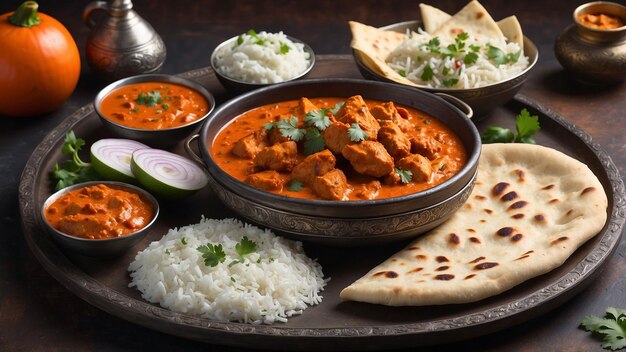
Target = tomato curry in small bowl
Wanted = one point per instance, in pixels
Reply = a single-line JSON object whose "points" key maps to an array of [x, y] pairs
{"points": [[155, 109], [99, 218]]}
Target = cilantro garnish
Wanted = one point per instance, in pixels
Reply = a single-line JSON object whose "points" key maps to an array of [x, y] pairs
{"points": [[405, 175], [284, 48], [245, 246], [450, 82], [427, 74], [433, 45], [526, 126], [402, 73], [295, 186], [183, 241], [318, 118], [612, 327], [289, 128], [470, 58], [149, 99], [252, 33], [74, 170], [335, 109], [314, 142], [499, 57], [212, 254], [355, 133]]}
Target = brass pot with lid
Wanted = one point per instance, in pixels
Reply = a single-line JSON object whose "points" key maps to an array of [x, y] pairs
{"points": [[593, 48]]}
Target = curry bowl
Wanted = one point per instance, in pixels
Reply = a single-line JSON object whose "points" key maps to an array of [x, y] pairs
{"points": [[286, 214], [98, 248], [483, 99], [161, 113], [236, 85]]}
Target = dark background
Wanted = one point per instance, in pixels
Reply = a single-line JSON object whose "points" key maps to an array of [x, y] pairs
{"points": [[38, 314]]}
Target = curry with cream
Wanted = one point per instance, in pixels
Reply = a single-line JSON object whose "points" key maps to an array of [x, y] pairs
{"points": [[154, 105], [338, 149], [99, 212]]}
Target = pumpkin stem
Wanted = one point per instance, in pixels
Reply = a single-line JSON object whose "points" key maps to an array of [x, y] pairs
{"points": [[26, 15]]}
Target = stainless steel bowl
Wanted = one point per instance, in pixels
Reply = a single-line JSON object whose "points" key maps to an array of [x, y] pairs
{"points": [[155, 138], [103, 248], [238, 86], [483, 99], [371, 221]]}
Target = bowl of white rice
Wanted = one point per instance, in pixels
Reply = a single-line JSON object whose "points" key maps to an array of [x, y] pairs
{"points": [[253, 60], [481, 84]]}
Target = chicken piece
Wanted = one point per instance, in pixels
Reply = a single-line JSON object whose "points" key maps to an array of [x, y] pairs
{"points": [[426, 146], [418, 165], [369, 158], [249, 146], [395, 141], [268, 180], [275, 136], [392, 179], [354, 110], [333, 185], [314, 165], [336, 136], [389, 112], [367, 190], [304, 107], [85, 226], [279, 157]]}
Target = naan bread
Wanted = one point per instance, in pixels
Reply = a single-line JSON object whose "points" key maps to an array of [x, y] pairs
{"points": [[373, 45], [512, 30], [530, 209], [432, 17], [474, 20]]}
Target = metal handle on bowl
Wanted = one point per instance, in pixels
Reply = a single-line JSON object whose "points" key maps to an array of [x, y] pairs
{"points": [[458, 103], [190, 151]]}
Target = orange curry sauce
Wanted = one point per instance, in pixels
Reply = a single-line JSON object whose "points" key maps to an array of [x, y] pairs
{"points": [[452, 149], [601, 21], [99, 212], [154, 105]]}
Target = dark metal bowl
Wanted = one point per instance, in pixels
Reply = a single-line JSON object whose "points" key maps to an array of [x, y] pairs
{"points": [[325, 221], [103, 248], [237, 86], [483, 99], [155, 138]]}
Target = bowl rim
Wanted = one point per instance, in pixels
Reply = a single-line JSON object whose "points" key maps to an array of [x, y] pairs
{"points": [[306, 47], [527, 44], [212, 166], [116, 184], [154, 77]]}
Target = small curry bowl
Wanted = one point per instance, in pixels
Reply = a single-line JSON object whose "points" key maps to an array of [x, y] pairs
{"points": [[100, 248], [237, 86], [344, 223], [164, 137], [482, 100]]}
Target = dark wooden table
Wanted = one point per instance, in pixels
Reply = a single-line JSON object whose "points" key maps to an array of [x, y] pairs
{"points": [[38, 314]]}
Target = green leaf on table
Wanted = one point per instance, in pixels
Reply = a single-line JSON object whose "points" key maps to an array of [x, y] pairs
{"points": [[612, 328]]}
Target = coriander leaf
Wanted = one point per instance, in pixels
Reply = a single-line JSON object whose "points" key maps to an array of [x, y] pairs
{"points": [[450, 82], [526, 125], [461, 37], [314, 142], [433, 45], [239, 40], [245, 246], [295, 186], [212, 254], [73, 170], [513, 57], [470, 58], [253, 34], [318, 118], [427, 73], [446, 70], [405, 175], [165, 106], [268, 126], [497, 135], [474, 48], [612, 327], [450, 50], [289, 129], [284, 48], [335, 109], [496, 55], [149, 99], [402, 73], [355, 133], [183, 241]]}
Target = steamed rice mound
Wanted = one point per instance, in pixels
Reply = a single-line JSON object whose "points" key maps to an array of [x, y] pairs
{"points": [[261, 59], [273, 283]]}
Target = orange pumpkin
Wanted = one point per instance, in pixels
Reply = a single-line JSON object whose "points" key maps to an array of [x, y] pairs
{"points": [[39, 62]]}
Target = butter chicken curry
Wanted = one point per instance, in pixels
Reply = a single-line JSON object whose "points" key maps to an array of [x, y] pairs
{"points": [[338, 149]]}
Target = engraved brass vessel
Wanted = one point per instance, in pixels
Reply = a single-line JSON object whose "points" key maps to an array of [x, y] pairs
{"points": [[121, 43], [595, 56]]}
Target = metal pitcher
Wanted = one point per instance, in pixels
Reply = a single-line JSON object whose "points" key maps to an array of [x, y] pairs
{"points": [[121, 43]]}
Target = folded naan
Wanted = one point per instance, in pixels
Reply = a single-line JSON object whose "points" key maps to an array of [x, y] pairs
{"points": [[530, 209]]}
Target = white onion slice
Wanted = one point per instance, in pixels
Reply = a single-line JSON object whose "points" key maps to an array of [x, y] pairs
{"points": [[111, 158]]}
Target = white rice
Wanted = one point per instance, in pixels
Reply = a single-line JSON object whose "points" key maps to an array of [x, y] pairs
{"points": [[275, 282], [411, 57], [262, 63]]}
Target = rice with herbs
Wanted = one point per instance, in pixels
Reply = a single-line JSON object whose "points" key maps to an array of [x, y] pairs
{"points": [[425, 63], [262, 58], [269, 284]]}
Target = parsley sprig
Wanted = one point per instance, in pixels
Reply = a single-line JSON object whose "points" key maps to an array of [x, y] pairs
{"points": [[526, 126], [612, 327], [149, 99], [356, 133], [213, 254], [405, 175], [74, 170]]}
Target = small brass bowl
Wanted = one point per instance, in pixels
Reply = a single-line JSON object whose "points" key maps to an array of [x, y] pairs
{"points": [[594, 56]]}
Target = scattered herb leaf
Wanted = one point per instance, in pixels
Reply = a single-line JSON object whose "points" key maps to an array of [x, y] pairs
{"points": [[470, 58], [405, 175], [402, 73], [289, 128], [526, 126], [314, 142], [183, 241], [245, 246], [239, 40], [318, 118], [355, 133], [165, 106], [284, 48], [74, 170], [612, 327], [450, 82], [149, 99], [295, 186], [335, 109], [427, 73], [212, 254], [232, 279], [252, 33]]}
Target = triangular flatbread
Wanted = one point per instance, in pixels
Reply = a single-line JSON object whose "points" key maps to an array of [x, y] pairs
{"points": [[530, 209], [474, 20], [512, 30], [432, 17]]}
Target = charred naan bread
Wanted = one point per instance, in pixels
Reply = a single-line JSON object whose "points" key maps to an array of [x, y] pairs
{"points": [[530, 209]]}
